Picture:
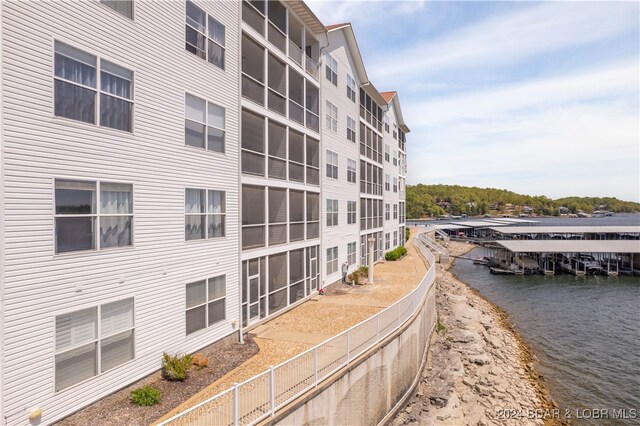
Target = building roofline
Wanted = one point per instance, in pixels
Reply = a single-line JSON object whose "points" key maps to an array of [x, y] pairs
{"points": [[307, 16]]}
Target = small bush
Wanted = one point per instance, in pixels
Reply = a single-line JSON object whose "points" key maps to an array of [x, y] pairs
{"points": [[407, 232], [175, 368], [145, 396], [361, 272], [200, 360], [396, 253], [439, 326]]}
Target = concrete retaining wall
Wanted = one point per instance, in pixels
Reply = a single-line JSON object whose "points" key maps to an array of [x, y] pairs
{"points": [[368, 391]]}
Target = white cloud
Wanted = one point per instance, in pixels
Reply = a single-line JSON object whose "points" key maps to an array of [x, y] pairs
{"points": [[506, 38]]}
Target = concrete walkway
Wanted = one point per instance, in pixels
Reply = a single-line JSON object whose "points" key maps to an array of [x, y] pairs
{"points": [[320, 318]]}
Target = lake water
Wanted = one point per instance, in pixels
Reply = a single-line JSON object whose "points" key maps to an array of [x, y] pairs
{"points": [[585, 331]]}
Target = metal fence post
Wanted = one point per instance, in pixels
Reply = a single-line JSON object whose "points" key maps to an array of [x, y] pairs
{"points": [[315, 365], [348, 349], [272, 390], [236, 404]]}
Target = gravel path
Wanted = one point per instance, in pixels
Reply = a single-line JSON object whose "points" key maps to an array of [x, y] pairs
{"points": [[479, 370], [311, 322]]}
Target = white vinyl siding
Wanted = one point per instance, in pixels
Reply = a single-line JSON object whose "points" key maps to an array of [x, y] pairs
{"points": [[92, 341]]}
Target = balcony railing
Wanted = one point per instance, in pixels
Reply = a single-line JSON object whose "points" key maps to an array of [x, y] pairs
{"points": [[311, 67], [295, 53]]}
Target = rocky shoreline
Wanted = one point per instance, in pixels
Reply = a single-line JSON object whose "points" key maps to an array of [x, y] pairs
{"points": [[479, 371]]}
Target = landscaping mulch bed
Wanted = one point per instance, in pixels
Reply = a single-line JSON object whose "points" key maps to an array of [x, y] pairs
{"points": [[116, 409]]}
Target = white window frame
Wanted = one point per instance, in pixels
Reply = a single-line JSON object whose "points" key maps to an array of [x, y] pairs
{"points": [[97, 215], [208, 282], [352, 208], [67, 51], [395, 157], [387, 211], [395, 212], [332, 164], [351, 88], [386, 153], [207, 106], [352, 171], [387, 186], [332, 212], [96, 341], [351, 129], [395, 184], [387, 241], [204, 33], [331, 117], [332, 260], [332, 70], [351, 253], [112, 3], [207, 213], [395, 238]]}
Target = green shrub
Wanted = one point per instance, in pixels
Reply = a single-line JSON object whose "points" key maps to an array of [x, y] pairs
{"points": [[396, 253], [145, 396], [175, 368], [361, 272], [407, 231]]}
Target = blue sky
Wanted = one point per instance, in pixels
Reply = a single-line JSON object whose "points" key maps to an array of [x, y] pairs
{"points": [[540, 98]]}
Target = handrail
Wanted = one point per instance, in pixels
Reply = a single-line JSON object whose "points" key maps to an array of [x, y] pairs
{"points": [[266, 392]]}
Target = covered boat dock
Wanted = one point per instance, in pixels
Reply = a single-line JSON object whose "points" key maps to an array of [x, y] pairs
{"points": [[626, 232], [579, 257]]}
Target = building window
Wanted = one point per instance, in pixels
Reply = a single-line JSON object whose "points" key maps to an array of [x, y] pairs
{"points": [[206, 300], [387, 240], [387, 212], [332, 260], [123, 7], [77, 82], [387, 186], [332, 212], [332, 70], [351, 88], [79, 214], [203, 124], [332, 117], [351, 129], [253, 216], [351, 212], [395, 157], [395, 211], [386, 124], [204, 35], [351, 253], [351, 171], [205, 213], [395, 184], [386, 153], [332, 164], [86, 347], [395, 238]]}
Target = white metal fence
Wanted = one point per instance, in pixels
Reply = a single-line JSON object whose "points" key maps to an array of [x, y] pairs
{"points": [[262, 395]]}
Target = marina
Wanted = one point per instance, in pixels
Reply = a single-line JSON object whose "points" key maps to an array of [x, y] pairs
{"points": [[521, 247]]}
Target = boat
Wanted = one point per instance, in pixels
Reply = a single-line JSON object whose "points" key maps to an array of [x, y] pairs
{"points": [[480, 261], [581, 264], [525, 265]]}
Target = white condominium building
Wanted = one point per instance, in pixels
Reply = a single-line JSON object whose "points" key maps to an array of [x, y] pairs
{"points": [[173, 173]]}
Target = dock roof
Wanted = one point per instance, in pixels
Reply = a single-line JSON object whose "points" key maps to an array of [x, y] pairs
{"points": [[512, 220], [620, 229], [571, 246], [479, 224], [449, 226]]}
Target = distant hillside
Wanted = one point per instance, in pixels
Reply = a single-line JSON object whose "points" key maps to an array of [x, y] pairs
{"points": [[435, 200]]}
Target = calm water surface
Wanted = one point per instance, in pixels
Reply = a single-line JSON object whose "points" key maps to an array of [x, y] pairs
{"points": [[585, 331]]}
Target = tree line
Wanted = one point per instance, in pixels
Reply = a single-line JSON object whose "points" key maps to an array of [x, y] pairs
{"points": [[437, 200]]}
